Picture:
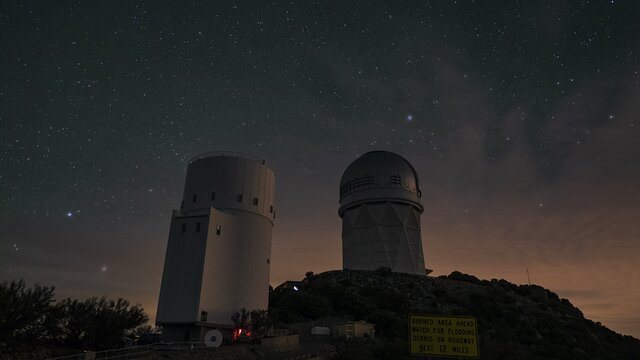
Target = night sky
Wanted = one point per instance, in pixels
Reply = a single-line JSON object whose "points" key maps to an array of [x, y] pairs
{"points": [[521, 119]]}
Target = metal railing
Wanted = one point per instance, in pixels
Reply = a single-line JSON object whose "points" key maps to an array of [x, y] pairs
{"points": [[312, 354], [132, 352], [137, 351], [194, 345]]}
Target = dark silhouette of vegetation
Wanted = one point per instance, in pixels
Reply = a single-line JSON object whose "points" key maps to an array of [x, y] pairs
{"points": [[25, 313], [240, 319], [144, 330], [98, 323], [31, 318], [261, 322], [514, 321], [258, 322]]}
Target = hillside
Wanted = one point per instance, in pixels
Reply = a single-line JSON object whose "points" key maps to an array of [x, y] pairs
{"points": [[515, 322]]}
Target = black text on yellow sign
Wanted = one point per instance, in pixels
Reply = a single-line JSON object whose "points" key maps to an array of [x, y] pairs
{"points": [[455, 336]]}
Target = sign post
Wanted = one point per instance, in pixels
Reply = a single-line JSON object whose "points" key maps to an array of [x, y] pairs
{"points": [[442, 335]]}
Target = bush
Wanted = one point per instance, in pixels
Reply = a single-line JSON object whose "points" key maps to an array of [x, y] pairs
{"points": [[24, 313], [458, 276], [98, 323], [30, 317]]}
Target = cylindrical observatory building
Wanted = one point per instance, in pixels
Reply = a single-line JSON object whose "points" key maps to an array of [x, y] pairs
{"points": [[380, 209], [219, 247]]}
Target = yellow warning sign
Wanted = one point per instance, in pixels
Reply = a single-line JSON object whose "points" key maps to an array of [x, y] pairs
{"points": [[455, 336]]}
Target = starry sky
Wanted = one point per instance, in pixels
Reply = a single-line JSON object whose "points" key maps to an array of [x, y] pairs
{"points": [[521, 118]]}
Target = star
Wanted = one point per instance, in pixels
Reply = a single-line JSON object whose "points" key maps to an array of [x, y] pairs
{"points": [[112, 139]]}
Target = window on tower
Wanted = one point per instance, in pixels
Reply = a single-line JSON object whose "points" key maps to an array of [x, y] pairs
{"points": [[239, 197], [198, 227], [184, 228], [218, 229], [213, 196], [194, 197], [255, 201]]}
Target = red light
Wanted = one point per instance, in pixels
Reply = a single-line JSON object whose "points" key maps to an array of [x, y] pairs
{"points": [[241, 332]]}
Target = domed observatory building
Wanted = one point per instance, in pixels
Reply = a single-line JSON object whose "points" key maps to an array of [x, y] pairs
{"points": [[219, 247], [380, 209]]}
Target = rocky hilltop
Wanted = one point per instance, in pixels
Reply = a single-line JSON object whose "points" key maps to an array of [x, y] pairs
{"points": [[514, 321]]}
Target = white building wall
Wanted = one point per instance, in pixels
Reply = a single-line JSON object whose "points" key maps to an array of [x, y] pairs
{"points": [[219, 295], [230, 270], [236, 273], [182, 275], [229, 177]]}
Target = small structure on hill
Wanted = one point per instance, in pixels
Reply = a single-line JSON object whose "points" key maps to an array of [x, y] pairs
{"points": [[353, 329]]}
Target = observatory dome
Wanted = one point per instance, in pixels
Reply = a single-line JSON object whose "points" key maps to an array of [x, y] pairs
{"points": [[379, 176]]}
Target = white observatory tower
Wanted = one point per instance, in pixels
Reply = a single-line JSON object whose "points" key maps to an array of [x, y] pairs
{"points": [[380, 209], [219, 247]]}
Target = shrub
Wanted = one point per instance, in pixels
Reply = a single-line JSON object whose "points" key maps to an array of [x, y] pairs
{"points": [[24, 313]]}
